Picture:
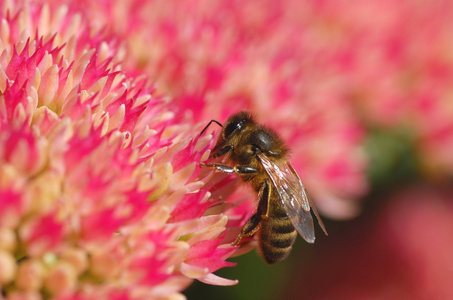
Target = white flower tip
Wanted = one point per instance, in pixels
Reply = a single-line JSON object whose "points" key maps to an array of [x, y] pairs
{"points": [[216, 280]]}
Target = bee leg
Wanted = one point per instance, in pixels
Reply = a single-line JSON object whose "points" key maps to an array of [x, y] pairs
{"points": [[220, 167], [245, 170], [249, 229], [222, 151], [241, 170], [253, 224], [265, 198]]}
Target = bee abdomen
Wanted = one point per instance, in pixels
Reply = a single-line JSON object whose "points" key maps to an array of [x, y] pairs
{"points": [[277, 237], [280, 241], [281, 225]]}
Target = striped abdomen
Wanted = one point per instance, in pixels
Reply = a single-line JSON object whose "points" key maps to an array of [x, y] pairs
{"points": [[277, 234]]}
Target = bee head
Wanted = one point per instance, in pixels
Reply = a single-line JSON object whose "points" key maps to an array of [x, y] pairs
{"points": [[252, 138], [243, 138], [236, 123]]}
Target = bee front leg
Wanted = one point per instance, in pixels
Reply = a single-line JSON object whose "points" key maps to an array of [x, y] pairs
{"points": [[253, 224], [222, 151], [241, 170]]}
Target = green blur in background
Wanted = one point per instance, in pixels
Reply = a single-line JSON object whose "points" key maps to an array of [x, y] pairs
{"points": [[257, 280]]}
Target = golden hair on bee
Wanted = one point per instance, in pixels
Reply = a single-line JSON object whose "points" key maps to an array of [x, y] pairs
{"points": [[258, 155]]}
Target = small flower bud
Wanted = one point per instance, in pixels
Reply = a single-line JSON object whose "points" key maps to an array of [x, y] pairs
{"points": [[7, 267], [30, 275], [76, 258], [61, 279], [104, 265], [7, 239]]}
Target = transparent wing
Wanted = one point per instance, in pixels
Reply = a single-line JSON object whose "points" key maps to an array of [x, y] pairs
{"points": [[293, 197]]}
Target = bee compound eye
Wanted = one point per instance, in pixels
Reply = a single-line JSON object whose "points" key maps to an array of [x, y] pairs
{"points": [[231, 127]]}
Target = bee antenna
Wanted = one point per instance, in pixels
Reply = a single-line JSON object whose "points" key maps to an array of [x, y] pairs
{"points": [[210, 122]]}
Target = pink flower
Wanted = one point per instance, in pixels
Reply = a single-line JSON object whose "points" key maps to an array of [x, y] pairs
{"points": [[393, 62], [215, 58], [101, 195]]}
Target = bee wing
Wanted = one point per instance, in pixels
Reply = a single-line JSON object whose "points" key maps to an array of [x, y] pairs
{"points": [[293, 197]]}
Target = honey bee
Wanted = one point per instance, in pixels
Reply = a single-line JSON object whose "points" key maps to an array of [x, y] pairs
{"points": [[260, 157]]}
